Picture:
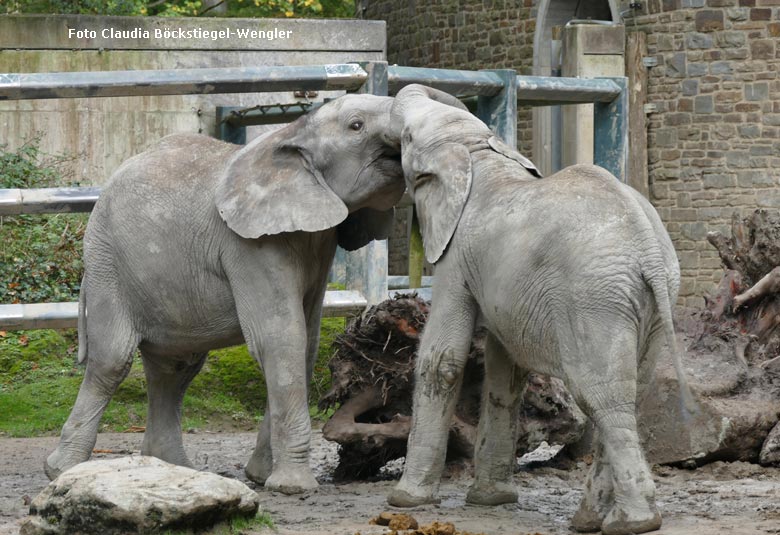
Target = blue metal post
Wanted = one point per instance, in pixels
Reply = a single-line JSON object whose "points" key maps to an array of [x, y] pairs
{"points": [[499, 112], [366, 269], [610, 132]]}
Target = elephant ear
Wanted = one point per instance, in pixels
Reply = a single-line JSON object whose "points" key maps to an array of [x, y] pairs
{"points": [[270, 187], [364, 225], [440, 189], [505, 150]]}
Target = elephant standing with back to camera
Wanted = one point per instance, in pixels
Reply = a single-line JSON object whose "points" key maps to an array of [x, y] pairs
{"points": [[197, 244], [573, 275]]}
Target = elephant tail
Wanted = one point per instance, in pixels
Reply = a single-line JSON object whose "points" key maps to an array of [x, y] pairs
{"points": [[82, 321], [656, 278]]}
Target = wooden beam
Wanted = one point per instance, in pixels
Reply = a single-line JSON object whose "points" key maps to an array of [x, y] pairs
{"points": [[636, 49]]}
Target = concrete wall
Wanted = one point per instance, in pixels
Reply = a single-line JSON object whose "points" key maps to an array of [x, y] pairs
{"points": [[103, 132]]}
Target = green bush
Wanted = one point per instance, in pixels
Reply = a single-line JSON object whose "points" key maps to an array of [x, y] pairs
{"points": [[40, 260]]}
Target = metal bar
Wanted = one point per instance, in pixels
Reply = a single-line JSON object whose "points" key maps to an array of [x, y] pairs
{"points": [[179, 81], [47, 200], [65, 315], [549, 90], [455, 82], [226, 129], [366, 269], [275, 115], [499, 112], [399, 282], [610, 132]]}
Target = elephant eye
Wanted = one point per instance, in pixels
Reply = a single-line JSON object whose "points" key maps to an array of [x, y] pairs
{"points": [[356, 125]]}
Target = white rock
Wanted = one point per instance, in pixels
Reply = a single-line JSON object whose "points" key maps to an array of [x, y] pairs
{"points": [[135, 494]]}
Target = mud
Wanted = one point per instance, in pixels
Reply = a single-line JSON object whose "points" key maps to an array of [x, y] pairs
{"points": [[735, 498]]}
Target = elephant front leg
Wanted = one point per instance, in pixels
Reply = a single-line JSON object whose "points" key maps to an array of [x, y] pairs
{"points": [[495, 457], [284, 366], [442, 356]]}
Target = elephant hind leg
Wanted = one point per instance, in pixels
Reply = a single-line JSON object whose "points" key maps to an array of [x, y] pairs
{"points": [[610, 401], [167, 379], [495, 456], [111, 342], [598, 494]]}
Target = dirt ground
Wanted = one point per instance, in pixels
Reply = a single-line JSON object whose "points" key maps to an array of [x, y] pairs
{"points": [[733, 498]]}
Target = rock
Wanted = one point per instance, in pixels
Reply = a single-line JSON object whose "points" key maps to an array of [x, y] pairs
{"points": [[770, 451], [135, 495]]}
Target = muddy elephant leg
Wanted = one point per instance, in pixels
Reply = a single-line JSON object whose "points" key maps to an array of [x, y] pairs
{"points": [[610, 402], [441, 358], [110, 345], [597, 496], [495, 457], [167, 379]]}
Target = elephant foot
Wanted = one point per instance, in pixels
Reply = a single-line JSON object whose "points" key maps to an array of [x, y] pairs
{"points": [[494, 493], [173, 454], [259, 468], [586, 520], [59, 462], [621, 521], [291, 480], [400, 497]]}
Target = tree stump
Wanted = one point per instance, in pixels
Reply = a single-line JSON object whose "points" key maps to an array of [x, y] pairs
{"points": [[372, 373], [731, 359]]}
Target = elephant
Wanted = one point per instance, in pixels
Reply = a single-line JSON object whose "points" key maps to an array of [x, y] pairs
{"points": [[573, 276], [197, 244]]}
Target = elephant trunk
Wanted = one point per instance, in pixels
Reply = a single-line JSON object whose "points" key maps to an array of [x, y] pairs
{"points": [[406, 98]]}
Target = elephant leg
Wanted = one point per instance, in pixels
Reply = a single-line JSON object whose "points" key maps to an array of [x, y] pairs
{"points": [[260, 464], [111, 342], [598, 494], [167, 380], [444, 348], [495, 455], [610, 402]]}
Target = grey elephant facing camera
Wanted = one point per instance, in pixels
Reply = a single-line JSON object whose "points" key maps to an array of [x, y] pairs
{"points": [[197, 244], [574, 277]]}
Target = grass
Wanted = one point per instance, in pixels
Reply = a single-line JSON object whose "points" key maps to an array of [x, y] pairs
{"points": [[39, 381], [236, 526]]}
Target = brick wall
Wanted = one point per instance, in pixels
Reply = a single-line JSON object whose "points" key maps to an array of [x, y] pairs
{"points": [[457, 34], [714, 141]]}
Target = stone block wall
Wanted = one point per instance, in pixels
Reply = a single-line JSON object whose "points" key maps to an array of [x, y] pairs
{"points": [[457, 34], [714, 139]]}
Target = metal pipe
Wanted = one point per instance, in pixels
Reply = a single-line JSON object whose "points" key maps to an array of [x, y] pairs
{"points": [[47, 200], [548, 91], [452, 81], [180, 81], [65, 315]]}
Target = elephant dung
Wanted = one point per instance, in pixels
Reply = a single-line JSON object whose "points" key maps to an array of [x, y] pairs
{"points": [[135, 495]]}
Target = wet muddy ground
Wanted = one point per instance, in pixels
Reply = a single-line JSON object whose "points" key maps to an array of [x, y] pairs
{"points": [[728, 498]]}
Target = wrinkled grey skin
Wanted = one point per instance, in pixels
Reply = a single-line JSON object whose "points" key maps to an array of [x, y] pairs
{"points": [[573, 275], [197, 244]]}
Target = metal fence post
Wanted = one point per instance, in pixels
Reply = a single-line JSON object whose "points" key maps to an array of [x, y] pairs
{"points": [[499, 112], [610, 132], [225, 130], [366, 269]]}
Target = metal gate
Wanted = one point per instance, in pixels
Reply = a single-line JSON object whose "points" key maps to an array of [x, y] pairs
{"points": [[492, 94]]}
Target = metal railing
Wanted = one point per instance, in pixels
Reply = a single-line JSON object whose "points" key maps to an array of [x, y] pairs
{"points": [[497, 94]]}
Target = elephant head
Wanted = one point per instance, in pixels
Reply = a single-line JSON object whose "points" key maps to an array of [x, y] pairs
{"points": [[437, 134], [335, 167]]}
